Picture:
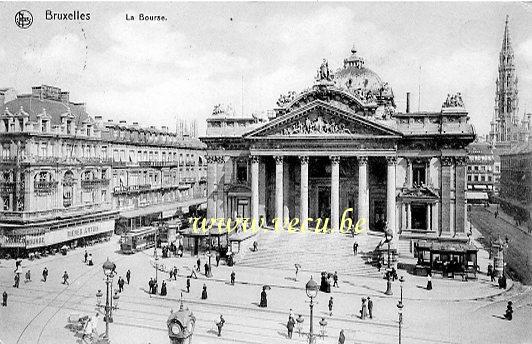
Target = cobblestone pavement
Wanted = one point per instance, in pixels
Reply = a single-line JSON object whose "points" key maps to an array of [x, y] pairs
{"points": [[453, 312]]}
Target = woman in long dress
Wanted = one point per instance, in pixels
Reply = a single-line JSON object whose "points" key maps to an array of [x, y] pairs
{"points": [[204, 292], [364, 310], [429, 281]]}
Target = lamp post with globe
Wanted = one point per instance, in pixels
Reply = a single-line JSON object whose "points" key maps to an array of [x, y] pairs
{"points": [[312, 291], [400, 311], [108, 269], [388, 236]]}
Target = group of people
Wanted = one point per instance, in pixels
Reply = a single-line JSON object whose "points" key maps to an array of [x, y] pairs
{"points": [[366, 308], [153, 286]]}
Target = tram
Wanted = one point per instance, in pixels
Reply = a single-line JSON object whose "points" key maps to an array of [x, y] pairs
{"points": [[138, 239]]}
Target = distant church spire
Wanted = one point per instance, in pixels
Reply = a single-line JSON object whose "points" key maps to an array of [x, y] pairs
{"points": [[505, 119]]}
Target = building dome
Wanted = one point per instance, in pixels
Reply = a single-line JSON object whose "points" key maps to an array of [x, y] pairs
{"points": [[355, 76]]}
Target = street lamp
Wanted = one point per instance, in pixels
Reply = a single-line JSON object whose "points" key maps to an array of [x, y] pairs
{"points": [[388, 236], [108, 268], [402, 280], [400, 311], [312, 291]]}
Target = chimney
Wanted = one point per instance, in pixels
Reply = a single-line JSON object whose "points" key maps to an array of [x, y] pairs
{"points": [[2, 102], [65, 96], [122, 121], [109, 121], [407, 102]]}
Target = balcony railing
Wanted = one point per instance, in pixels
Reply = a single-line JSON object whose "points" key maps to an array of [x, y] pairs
{"points": [[94, 183], [158, 163], [51, 213], [45, 187], [131, 189]]}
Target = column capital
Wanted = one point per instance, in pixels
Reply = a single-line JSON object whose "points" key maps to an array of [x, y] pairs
{"points": [[446, 160], [278, 159], [220, 159], [461, 160], [303, 159], [335, 159], [362, 160], [391, 160], [255, 159], [211, 159]]}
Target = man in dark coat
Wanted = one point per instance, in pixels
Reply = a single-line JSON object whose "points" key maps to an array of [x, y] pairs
{"points": [[330, 306], [163, 289], [198, 266], [4, 299], [44, 274], [204, 292], [65, 278], [341, 338], [207, 269], [120, 284], [86, 256], [17, 280], [128, 276], [370, 308], [188, 285], [355, 248], [335, 279], [290, 326], [150, 284], [175, 273], [220, 324], [233, 278]]}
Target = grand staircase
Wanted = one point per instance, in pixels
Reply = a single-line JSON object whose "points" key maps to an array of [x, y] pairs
{"points": [[314, 252]]}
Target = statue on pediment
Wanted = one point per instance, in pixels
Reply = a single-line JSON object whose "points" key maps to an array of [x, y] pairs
{"points": [[453, 101], [324, 74]]}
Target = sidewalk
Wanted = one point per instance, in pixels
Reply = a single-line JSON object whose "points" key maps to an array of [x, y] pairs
{"points": [[506, 218]]}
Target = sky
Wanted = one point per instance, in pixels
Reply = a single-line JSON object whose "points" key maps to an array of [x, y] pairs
{"points": [[247, 54]]}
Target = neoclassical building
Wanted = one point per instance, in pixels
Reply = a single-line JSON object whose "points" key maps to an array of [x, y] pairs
{"points": [[341, 144], [66, 176]]}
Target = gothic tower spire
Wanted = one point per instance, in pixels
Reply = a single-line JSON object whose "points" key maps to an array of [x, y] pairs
{"points": [[505, 119]]}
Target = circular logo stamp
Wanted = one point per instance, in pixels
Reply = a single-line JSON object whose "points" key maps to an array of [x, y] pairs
{"points": [[23, 19]]}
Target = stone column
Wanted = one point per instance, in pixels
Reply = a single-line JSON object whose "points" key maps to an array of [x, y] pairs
{"points": [[303, 212], [220, 195], [445, 209], [409, 172], [403, 216], [279, 188], [363, 195], [211, 186], [335, 192], [255, 187], [409, 216], [429, 217], [460, 180], [390, 195]]}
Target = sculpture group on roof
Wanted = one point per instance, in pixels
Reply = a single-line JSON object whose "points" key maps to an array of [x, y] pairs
{"points": [[285, 99], [453, 101]]}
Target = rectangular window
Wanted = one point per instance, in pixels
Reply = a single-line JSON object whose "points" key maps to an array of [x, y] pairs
{"points": [[418, 174]]}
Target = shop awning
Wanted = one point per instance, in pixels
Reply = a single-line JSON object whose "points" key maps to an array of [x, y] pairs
{"points": [[450, 247]]}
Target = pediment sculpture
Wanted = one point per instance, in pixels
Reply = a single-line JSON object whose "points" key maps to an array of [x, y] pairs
{"points": [[285, 99], [316, 126], [324, 74]]}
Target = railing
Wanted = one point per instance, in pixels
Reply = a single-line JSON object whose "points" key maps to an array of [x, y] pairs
{"points": [[132, 188], [51, 213], [93, 183], [158, 163], [45, 187]]}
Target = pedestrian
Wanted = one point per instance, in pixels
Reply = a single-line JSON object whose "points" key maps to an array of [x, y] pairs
{"points": [[150, 285], [171, 273], [429, 281], [204, 292], [17, 280], [341, 338], [220, 324], [502, 282], [198, 266], [233, 277], [163, 289], [496, 213], [120, 284], [90, 260], [330, 306], [28, 277], [255, 246], [206, 269], [379, 266], [128, 276], [355, 248], [45, 274], [290, 326], [291, 314], [193, 273], [175, 273], [155, 287], [188, 285], [217, 259], [363, 311], [509, 311], [86, 256], [297, 269], [335, 279], [263, 298], [65, 278], [370, 307], [4, 299]]}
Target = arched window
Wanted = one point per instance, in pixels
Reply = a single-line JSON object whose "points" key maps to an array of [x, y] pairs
{"points": [[68, 192]]}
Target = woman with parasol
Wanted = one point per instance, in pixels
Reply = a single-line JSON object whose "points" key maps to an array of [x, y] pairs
{"points": [[263, 296]]}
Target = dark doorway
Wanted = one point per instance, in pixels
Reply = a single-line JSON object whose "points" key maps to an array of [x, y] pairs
{"points": [[419, 216], [324, 203]]}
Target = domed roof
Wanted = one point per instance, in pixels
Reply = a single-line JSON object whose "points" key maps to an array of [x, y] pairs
{"points": [[355, 76]]}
